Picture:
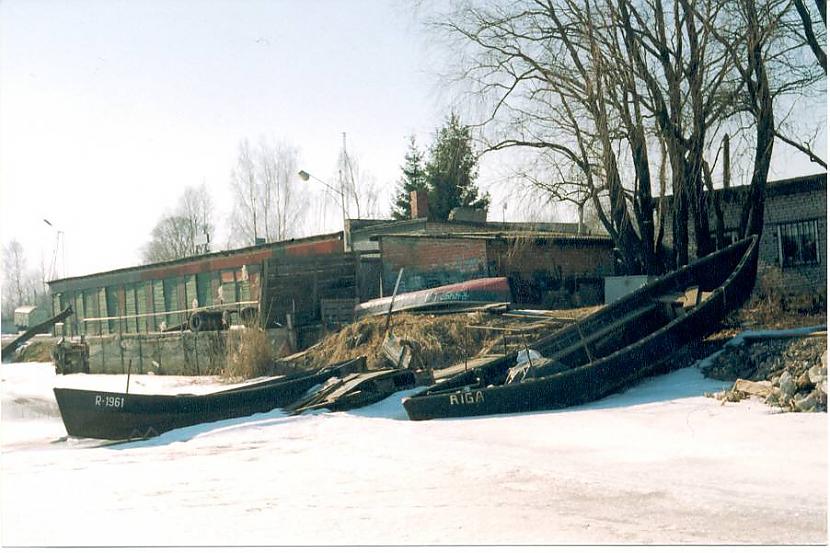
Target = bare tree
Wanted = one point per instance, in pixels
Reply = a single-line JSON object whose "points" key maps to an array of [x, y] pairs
{"points": [[268, 203], [814, 37], [764, 49], [246, 197], [196, 205], [599, 87], [360, 187], [185, 231], [21, 286], [546, 70], [14, 277]]}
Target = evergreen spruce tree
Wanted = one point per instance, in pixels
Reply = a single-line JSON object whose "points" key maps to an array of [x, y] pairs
{"points": [[451, 171], [414, 178]]}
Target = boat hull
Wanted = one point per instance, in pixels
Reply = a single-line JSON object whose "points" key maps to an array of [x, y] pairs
{"points": [[729, 274], [120, 416], [466, 294]]}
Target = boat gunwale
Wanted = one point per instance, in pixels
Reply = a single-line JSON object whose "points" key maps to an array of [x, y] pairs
{"points": [[265, 382]]}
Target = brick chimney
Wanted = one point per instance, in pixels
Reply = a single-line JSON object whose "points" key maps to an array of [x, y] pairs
{"points": [[418, 204]]}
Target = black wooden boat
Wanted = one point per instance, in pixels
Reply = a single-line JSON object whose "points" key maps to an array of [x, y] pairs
{"points": [[123, 416], [606, 351]]}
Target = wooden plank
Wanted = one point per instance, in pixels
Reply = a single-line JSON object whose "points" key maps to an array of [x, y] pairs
{"points": [[243, 287], [129, 296], [190, 290], [171, 302], [90, 310], [79, 303], [112, 307], [158, 303], [203, 295], [398, 354], [458, 368], [141, 307], [102, 309]]}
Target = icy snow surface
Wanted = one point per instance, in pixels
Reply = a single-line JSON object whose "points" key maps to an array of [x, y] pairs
{"points": [[657, 464]]}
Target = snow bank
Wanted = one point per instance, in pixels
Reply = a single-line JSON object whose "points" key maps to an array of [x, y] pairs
{"points": [[658, 464]]}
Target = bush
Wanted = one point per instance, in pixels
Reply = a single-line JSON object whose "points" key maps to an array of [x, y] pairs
{"points": [[249, 354], [773, 306]]}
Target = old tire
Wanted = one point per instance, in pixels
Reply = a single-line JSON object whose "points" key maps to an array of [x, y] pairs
{"points": [[198, 322]]}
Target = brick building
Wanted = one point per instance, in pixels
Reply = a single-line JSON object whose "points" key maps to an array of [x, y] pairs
{"points": [[545, 268], [548, 262], [795, 229]]}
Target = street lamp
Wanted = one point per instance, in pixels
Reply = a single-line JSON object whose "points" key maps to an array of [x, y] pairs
{"points": [[59, 241], [306, 175]]}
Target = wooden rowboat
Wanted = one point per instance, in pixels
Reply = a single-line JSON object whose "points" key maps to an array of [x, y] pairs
{"points": [[459, 296], [122, 416], [607, 350]]}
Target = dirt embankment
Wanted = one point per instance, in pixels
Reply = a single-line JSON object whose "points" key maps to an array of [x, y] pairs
{"points": [[436, 340], [37, 350]]}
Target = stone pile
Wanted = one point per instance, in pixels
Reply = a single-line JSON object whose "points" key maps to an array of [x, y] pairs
{"points": [[790, 373]]}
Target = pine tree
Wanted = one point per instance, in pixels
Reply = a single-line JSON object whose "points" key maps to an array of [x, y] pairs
{"points": [[451, 171], [414, 178]]}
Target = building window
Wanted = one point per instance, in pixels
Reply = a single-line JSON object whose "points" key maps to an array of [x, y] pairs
{"points": [[798, 243]]}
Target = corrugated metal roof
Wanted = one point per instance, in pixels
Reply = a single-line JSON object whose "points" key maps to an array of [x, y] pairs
{"points": [[207, 256], [502, 235], [783, 187]]}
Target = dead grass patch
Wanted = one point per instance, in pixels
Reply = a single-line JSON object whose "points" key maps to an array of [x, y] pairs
{"points": [[772, 306], [248, 354], [437, 341]]}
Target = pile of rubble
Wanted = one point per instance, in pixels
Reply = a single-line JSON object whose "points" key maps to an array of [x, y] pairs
{"points": [[789, 373]]}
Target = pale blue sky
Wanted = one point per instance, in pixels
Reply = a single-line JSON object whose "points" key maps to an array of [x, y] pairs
{"points": [[109, 109]]}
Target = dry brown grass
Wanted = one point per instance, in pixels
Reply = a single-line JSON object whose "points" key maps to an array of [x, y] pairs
{"points": [[248, 353], [771, 306], [37, 351], [436, 340]]}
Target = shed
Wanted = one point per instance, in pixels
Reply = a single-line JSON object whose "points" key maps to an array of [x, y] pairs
{"points": [[291, 276], [27, 316]]}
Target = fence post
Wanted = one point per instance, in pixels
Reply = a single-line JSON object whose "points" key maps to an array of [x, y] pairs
{"points": [[140, 339], [103, 354], [196, 351]]}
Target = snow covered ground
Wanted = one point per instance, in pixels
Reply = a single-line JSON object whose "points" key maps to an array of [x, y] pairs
{"points": [[658, 464]]}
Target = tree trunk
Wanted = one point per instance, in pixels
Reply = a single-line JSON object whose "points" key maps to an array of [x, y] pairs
{"points": [[717, 207], [752, 214]]}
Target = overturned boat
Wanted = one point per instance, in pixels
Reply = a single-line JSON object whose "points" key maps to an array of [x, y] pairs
{"points": [[125, 416], [451, 297], [606, 351]]}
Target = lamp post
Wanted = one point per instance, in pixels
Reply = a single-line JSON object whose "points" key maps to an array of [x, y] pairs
{"points": [[304, 175], [59, 241]]}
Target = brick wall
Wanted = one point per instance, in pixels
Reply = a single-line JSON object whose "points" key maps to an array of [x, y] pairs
{"points": [[553, 273], [539, 265], [566, 258], [430, 262], [788, 201]]}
